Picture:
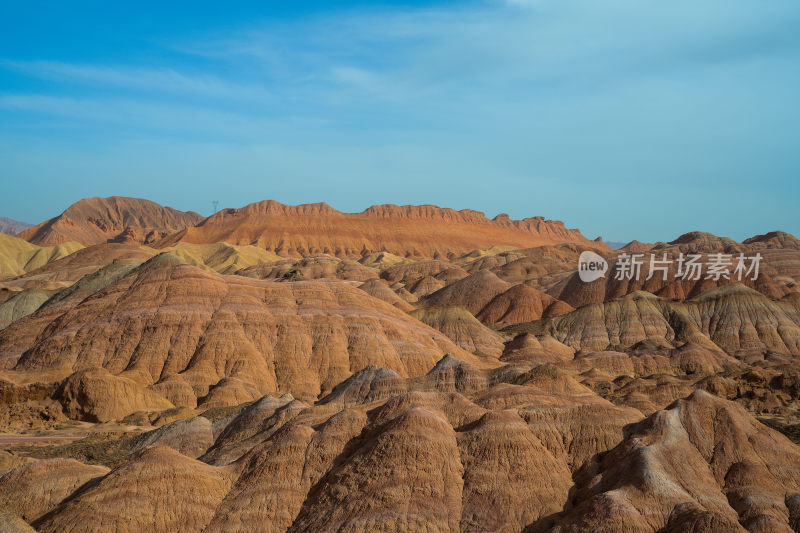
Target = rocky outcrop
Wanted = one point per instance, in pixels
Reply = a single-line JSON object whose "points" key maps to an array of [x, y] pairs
{"points": [[369, 385], [379, 289], [21, 305], [377, 488], [99, 220], [521, 303], [221, 257], [405, 231], [312, 267], [64, 272], [96, 395], [166, 319], [32, 490], [158, 490], [472, 293], [703, 461], [462, 328], [732, 319]]}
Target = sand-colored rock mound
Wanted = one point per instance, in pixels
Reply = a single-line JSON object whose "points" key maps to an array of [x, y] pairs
{"points": [[425, 286], [410, 273], [279, 474], [527, 348], [510, 478], [550, 379], [470, 257], [456, 408], [689, 358], [253, 426], [462, 328], [577, 293], [733, 319], [314, 267], [381, 260], [774, 239], [13, 341], [779, 270], [99, 220], [704, 457], [650, 394], [10, 523], [191, 437], [533, 263], [158, 490], [66, 271], [636, 247], [379, 289], [35, 488], [166, 318], [96, 395], [377, 488], [701, 242], [10, 461], [521, 303], [452, 375], [405, 231], [18, 256], [221, 257], [227, 391], [371, 384], [471, 293]]}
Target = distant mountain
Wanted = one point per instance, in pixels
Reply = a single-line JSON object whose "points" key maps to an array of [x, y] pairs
{"points": [[116, 219], [12, 227], [407, 231]]}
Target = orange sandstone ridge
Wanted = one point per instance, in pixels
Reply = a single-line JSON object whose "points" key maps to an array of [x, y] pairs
{"points": [[406, 231], [118, 219]]}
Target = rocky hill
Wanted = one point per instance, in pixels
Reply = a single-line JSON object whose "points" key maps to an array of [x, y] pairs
{"points": [[406, 231], [100, 220]]}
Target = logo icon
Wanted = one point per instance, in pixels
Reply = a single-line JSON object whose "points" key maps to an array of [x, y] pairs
{"points": [[591, 267]]}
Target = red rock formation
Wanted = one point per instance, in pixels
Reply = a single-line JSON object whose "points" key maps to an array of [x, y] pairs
{"points": [[69, 269], [636, 247], [406, 231], [97, 396], [166, 319], [313, 267], [704, 461], [731, 319], [462, 328], [472, 293], [521, 303], [378, 288], [32, 490], [117, 219], [157, 490], [779, 272]]}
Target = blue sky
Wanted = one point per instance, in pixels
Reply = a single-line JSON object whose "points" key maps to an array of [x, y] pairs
{"points": [[625, 118]]}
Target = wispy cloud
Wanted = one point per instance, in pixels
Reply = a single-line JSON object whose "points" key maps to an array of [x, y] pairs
{"points": [[150, 80], [143, 117], [457, 54]]}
